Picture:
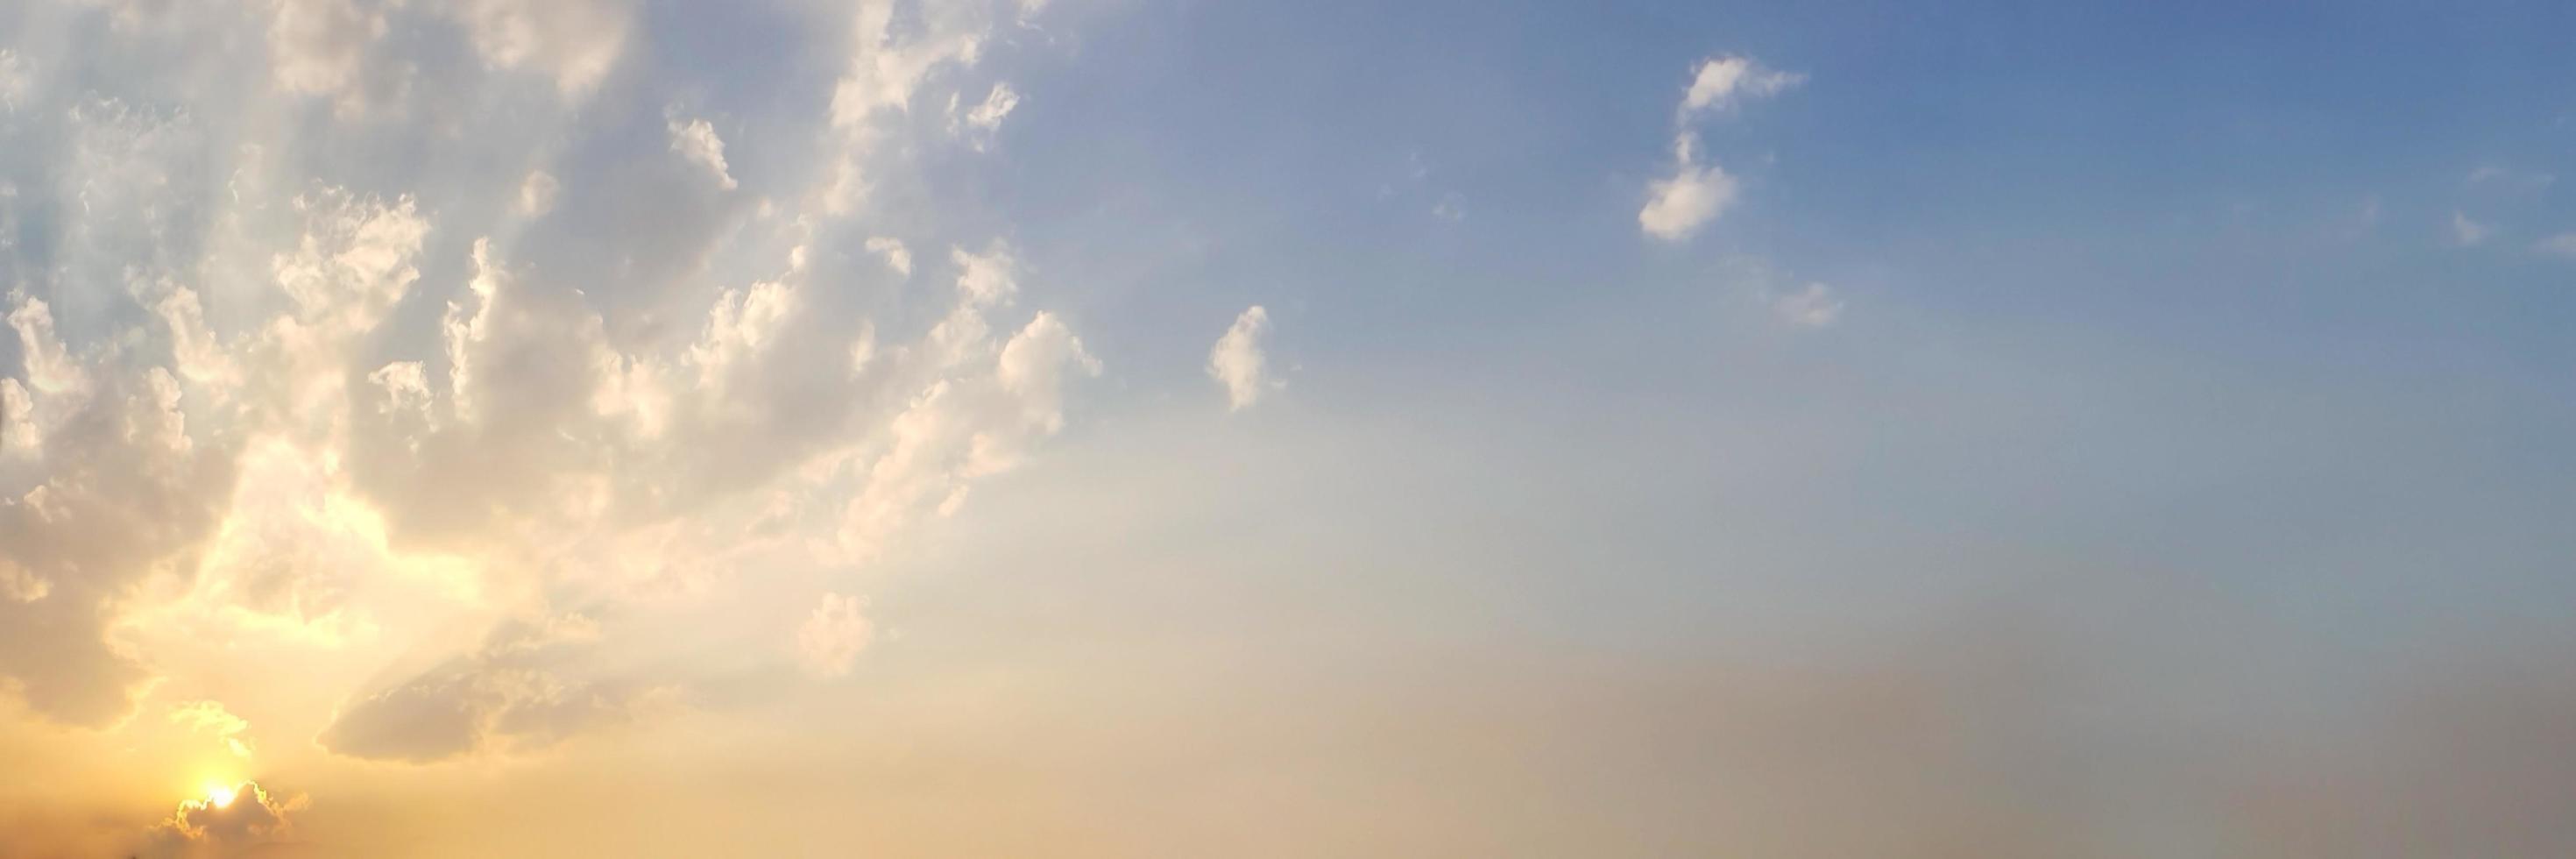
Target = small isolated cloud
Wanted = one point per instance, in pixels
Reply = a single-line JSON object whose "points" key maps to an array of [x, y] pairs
{"points": [[1813, 306], [1722, 82], [830, 641], [1237, 362], [2562, 244], [1677, 205], [696, 141], [1697, 192], [2465, 232]]}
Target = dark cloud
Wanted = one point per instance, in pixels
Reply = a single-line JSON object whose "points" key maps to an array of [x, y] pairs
{"points": [[249, 822]]}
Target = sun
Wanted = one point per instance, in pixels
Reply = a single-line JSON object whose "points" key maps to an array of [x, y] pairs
{"points": [[221, 795]]}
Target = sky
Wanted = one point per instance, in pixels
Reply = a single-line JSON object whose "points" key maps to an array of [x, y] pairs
{"points": [[520, 428]]}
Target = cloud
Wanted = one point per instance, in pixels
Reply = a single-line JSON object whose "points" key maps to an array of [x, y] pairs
{"points": [[17, 80], [1813, 306], [696, 141], [979, 124], [2468, 233], [241, 817], [2562, 244], [125, 489], [1697, 192], [537, 193], [1238, 363], [1034, 365], [337, 408], [896, 256], [573, 42], [1722, 82], [832, 637], [1677, 205], [320, 47], [211, 718], [529, 686]]}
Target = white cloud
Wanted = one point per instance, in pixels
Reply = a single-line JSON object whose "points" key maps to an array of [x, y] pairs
{"points": [[247, 408], [574, 42], [1033, 366], [1238, 363], [18, 433], [1722, 82], [1696, 193], [829, 642], [988, 278], [979, 124], [17, 79], [2465, 232], [892, 59], [1677, 205], [320, 47], [896, 256], [889, 65], [1812, 306], [696, 141]]}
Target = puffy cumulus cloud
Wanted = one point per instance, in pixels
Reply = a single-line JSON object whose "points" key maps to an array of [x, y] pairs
{"points": [[1696, 193], [696, 141], [1034, 365], [833, 635], [233, 820], [1722, 82], [1237, 361], [1810, 306], [989, 401], [896, 50], [294, 388]]}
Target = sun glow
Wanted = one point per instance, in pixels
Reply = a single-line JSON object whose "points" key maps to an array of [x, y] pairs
{"points": [[221, 795]]}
